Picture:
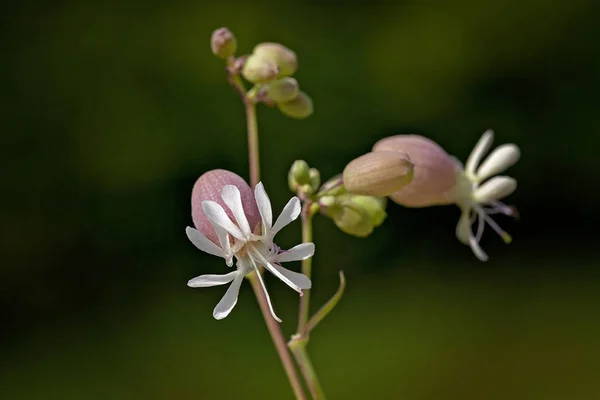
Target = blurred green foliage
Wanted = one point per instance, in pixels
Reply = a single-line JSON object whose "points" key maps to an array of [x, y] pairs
{"points": [[111, 110]]}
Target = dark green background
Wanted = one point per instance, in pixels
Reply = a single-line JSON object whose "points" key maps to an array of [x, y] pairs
{"points": [[110, 111]]}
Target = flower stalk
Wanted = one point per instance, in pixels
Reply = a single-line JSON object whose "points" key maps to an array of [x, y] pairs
{"points": [[254, 161]]}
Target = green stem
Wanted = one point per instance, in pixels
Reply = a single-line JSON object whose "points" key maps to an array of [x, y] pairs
{"points": [[306, 269], [298, 343], [272, 324], [298, 348]]}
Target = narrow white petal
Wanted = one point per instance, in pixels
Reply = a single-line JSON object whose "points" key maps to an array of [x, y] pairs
{"points": [[296, 253], [463, 228], [256, 255], [482, 146], [290, 212], [465, 235], [477, 250], [264, 288], [217, 216], [230, 298], [264, 206], [223, 237], [211, 280], [300, 280], [495, 189], [502, 158], [232, 198], [204, 244]]}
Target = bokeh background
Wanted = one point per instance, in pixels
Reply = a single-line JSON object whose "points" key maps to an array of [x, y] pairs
{"points": [[111, 110]]}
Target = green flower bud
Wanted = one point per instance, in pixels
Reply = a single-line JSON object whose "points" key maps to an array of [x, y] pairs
{"points": [[223, 43], [378, 174], [281, 55], [259, 69], [315, 179], [299, 108], [355, 215], [333, 187], [298, 175], [282, 90]]}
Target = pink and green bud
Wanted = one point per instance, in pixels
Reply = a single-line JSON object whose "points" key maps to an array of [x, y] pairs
{"points": [[223, 43], [209, 187], [378, 173], [435, 172]]}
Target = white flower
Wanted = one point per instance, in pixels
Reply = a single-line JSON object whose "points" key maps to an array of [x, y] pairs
{"points": [[250, 250], [479, 191]]}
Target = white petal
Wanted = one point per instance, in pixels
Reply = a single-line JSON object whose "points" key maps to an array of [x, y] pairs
{"points": [[465, 235], [232, 198], [300, 280], [296, 253], [498, 161], [223, 237], [264, 288], [255, 255], [217, 216], [290, 212], [211, 280], [230, 298], [495, 189], [264, 206], [204, 244], [463, 228], [482, 146]]}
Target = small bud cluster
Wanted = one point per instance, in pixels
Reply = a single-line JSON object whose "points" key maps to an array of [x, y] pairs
{"points": [[269, 68], [355, 214]]}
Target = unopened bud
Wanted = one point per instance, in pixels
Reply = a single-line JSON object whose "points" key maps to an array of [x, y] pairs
{"points": [[378, 174], [333, 187], [315, 179], [282, 90], [300, 107], [435, 171], [285, 58], [298, 175], [259, 69], [223, 43], [209, 187], [355, 215]]}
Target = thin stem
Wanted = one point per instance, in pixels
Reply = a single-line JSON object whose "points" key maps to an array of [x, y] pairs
{"points": [[299, 341], [278, 340], [272, 324], [253, 152], [306, 268], [308, 372]]}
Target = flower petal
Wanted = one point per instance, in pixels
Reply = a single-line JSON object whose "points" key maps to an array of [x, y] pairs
{"points": [[495, 189], [217, 216], [498, 161], [296, 253], [211, 280], [264, 206], [223, 237], [233, 199], [256, 255], [204, 244], [463, 228], [482, 146], [290, 212], [230, 298], [264, 288], [299, 280], [465, 235]]}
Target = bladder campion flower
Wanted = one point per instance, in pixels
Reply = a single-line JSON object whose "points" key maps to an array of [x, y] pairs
{"points": [[250, 244], [440, 179], [479, 192]]}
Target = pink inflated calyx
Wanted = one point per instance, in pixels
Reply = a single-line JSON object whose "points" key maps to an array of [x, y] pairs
{"points": [[209, 187]]}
